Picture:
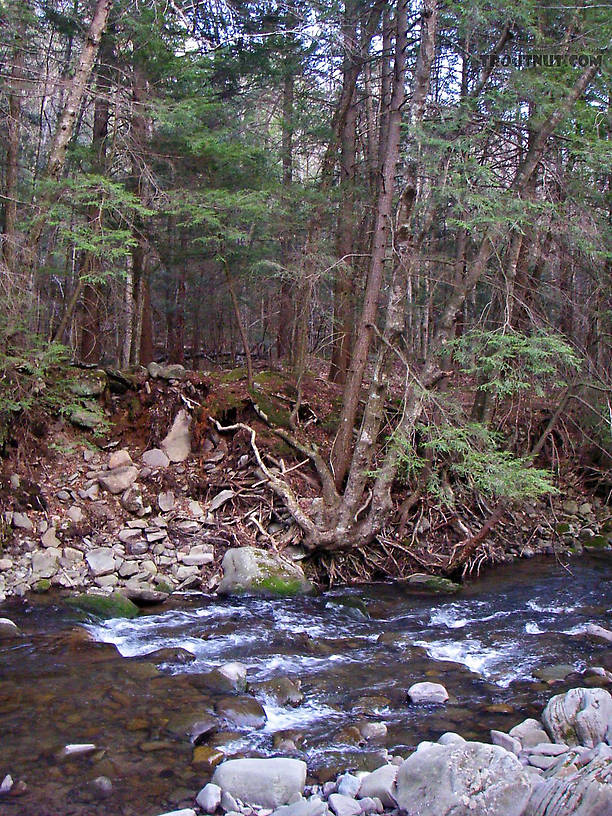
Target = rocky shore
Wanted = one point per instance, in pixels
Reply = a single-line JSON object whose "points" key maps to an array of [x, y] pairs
{"points": [[561, 766], [103, 516]]}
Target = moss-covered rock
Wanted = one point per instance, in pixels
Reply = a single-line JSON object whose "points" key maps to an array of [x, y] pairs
{"points": [[434, 584], [253, 571], [104, 606]]}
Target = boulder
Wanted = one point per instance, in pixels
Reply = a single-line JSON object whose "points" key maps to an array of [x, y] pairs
{"points": [[469, 779], [8, 629], [120, 458], [177, 444], [511, 744], [45, 564], [570, 790], [236, 673], [241, 711], [173, 371], [252, 571], [380, 784], [582, 716], [89, 420], [348, 785], [101, 561], [155, 458], [266, 782], [432, 584], [529, 732], [428, 693], [104, 606], [22, 522], [91, 384], [118, 480], [283, 690]]}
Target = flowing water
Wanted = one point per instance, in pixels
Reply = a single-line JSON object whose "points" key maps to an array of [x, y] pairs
{"points": [[58, 687]]}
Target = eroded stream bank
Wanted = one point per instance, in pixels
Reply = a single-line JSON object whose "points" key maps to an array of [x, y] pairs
{"points": [[486, 646]]}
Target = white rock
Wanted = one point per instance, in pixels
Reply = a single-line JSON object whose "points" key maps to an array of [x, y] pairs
{"points": [[165, 501], [22, 522], [582, 716], [155, 458], [101, 561], [78, 748], [119, 459], [182, 812], [529, 732], [511, 744], [220, 499], [177, 444], [8, 628], [598, 632], [209, 798], [75, 513], [45, 564], [49, 539], [236, 673], [118, 480], [348, 785], [344, 805], [5, 564], [195, 508], [469, 779], [266, 782], [428, 693], [380, 784], [450, 737]]}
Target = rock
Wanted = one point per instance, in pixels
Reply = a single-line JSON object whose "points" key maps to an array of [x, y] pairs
{"points": [[118, 480], [220, 499], [598, 631], [428, 693], [104, 606], [252, 571], [373, 731], [207, 757], [577, 791], [433, 584], [283, 690], [45, 564], [182, 812], [579, 717], [7, 784], [242, 711], [132, 501], [165, 501], [511, 744], [195, 508], [554, 674], [89, 420], [173, 371], [197, 556], [451, 738], [380, 784], [91, 384], [549, 749], [266, 782], [236, 673], [144, 594], [344, 805], [49, 539], [529, 732], [6, 564], [540, 761], [209, 798], [348, 785], [304, 807], [77, 749], [102, 787], [229, 804], [8, 629], [570, 506], [90, 493], [75, 514], [155, 458], [22, 522], [469, 779], [101, 561], [177, 444], [120, 458]]}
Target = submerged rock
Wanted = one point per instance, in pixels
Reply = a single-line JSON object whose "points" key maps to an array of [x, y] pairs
{"points": [[434, 584], [8, 629], [252, 571], [266, 782], [469, 779], [580, 717]]}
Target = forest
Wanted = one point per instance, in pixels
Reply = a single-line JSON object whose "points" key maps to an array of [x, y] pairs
{"points": [[411, 202]]}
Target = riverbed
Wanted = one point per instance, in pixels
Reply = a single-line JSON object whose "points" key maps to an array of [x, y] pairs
{"points": [[354, 651]]}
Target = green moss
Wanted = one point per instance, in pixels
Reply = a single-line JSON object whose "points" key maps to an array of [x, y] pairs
{"points": [[44, 585], [104, 606], [278, 415], [163, 586], [350, 602], [234, 375], [433, 583], [562, 528], [597, 541], [279, 586]]}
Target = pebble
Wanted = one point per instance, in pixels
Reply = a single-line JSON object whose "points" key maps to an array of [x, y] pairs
{"points": [[209, 798], [165, 501], [7, 784], [344, 805], [348, 785]]}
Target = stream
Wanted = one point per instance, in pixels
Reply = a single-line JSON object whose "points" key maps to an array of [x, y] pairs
{"points": [[356, 651]]}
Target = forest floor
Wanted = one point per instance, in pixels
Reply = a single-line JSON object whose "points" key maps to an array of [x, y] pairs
{"points": [[52, 503]]}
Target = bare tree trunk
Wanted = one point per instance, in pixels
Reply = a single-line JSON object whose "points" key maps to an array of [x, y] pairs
{"points": [[285, 306], [66, 124], [341, 452], [12, 152]]}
